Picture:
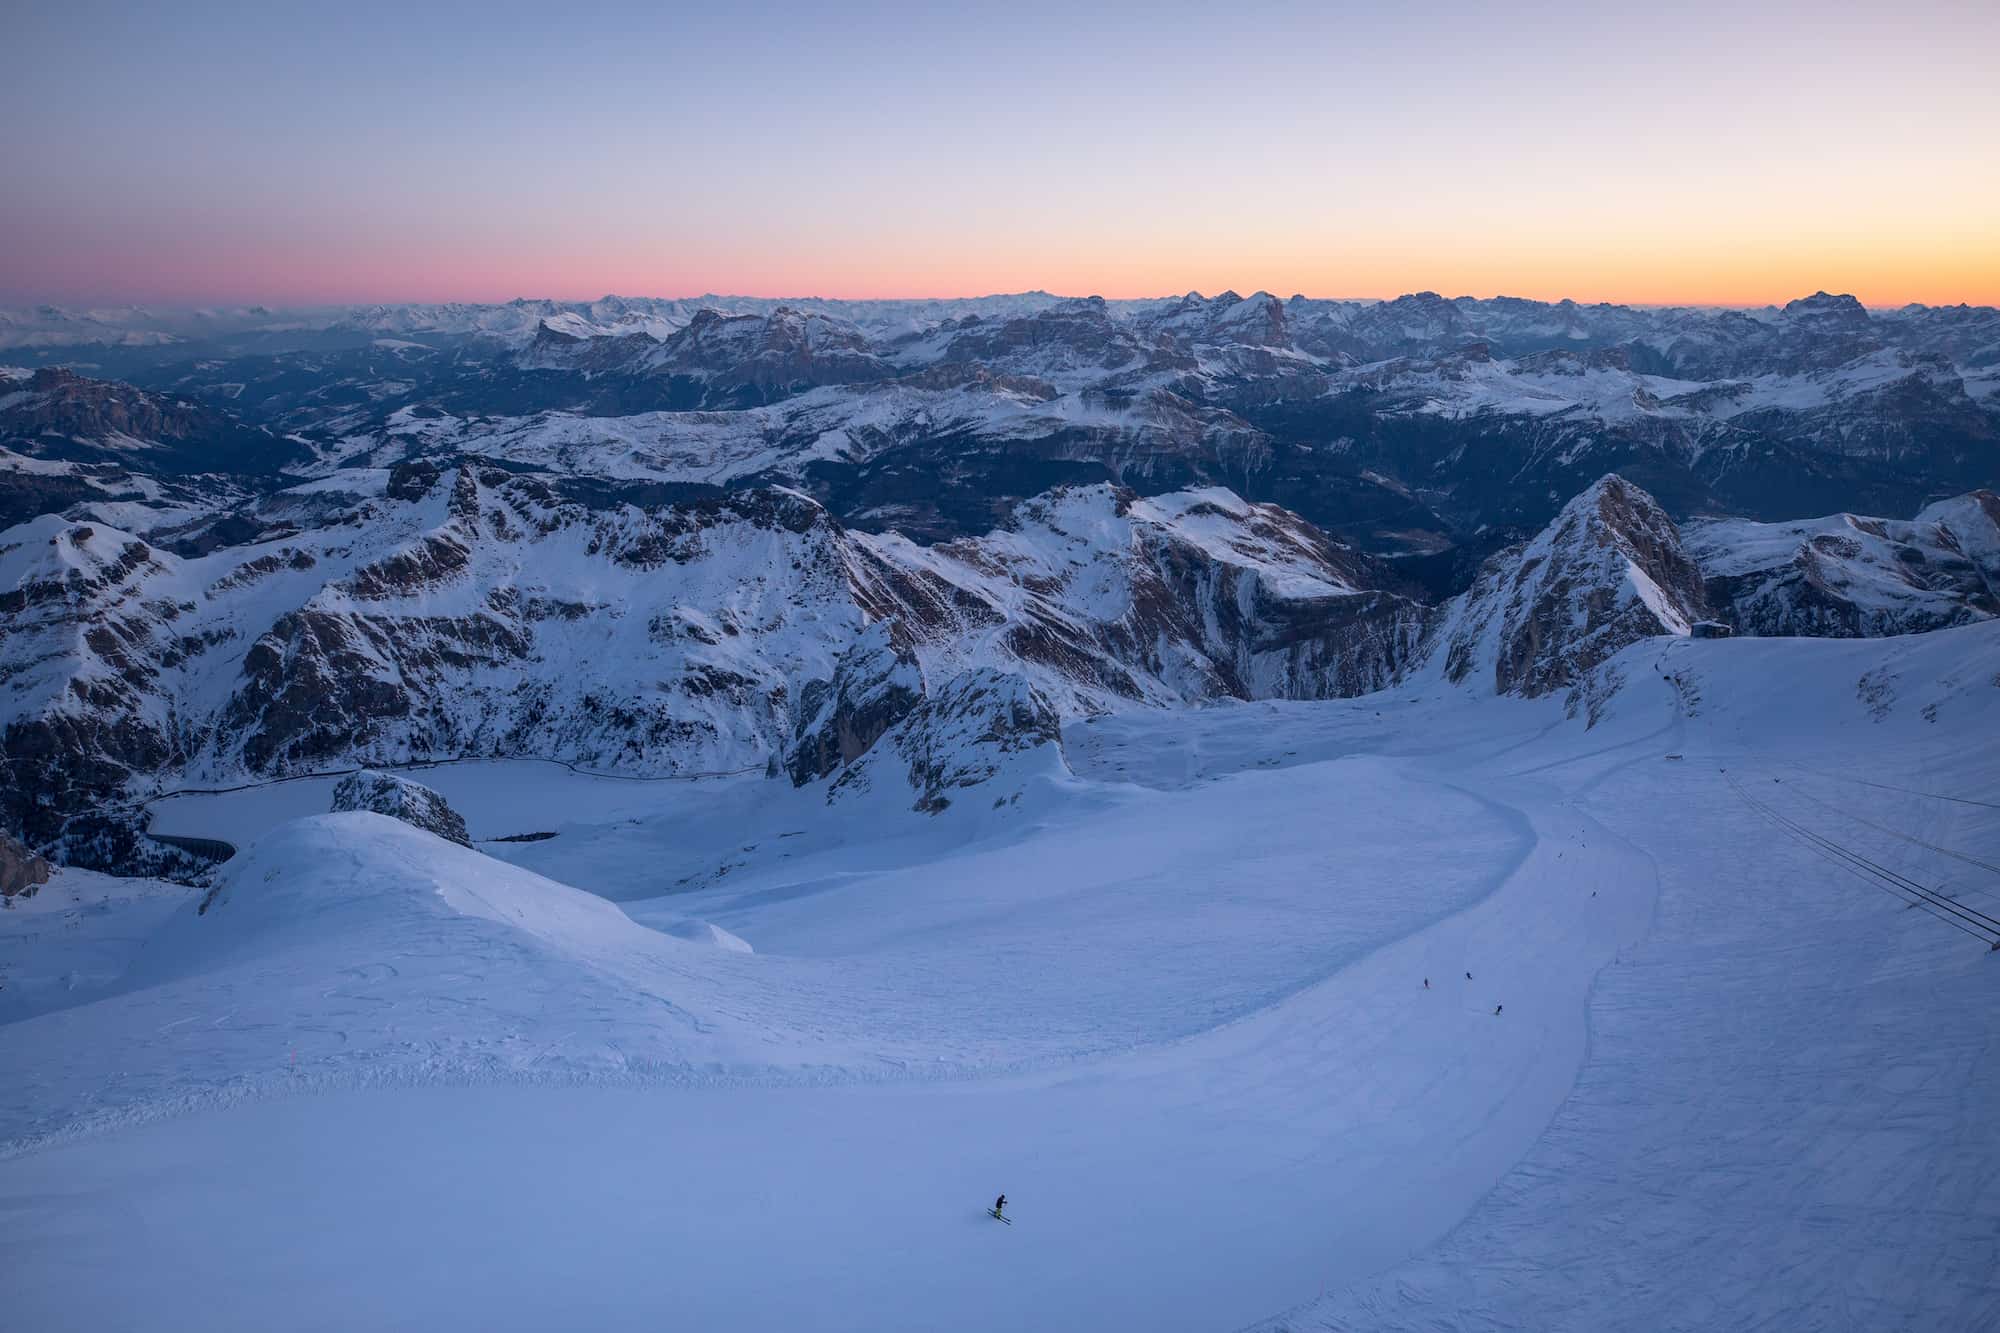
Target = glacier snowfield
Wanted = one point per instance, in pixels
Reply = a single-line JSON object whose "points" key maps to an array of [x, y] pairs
{"points": [[1686, 1059]]}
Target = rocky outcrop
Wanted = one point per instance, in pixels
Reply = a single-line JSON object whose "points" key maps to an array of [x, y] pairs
{"points": [[979, 728], [58, 414], [875, 686], [85, 636], [1848, 576], [665, 639], [743, 360], [1104, 598], [21, 871], [400, 798], [1066, 340], [1610, 571]]}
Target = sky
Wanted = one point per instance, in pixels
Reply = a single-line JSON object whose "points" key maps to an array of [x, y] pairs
{"points": [[291, 153]]}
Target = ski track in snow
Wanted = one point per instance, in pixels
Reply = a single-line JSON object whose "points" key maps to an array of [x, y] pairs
{"points": [[1732, 1086]]}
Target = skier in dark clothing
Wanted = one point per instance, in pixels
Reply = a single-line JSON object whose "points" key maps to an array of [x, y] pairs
{"points": [[1000, 1206], [1468, 976], [1427, 983], [1496, 1010]]}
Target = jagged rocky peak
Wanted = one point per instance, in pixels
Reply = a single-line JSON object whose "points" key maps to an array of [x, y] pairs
{"points": [[876, 684], [1828, 310], [1609, 571], [1069, 336], [807, 345], [982, 728], [1258, 319], [546, 335], [400, 798]]}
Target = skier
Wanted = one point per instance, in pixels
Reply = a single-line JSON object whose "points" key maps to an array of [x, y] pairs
{"points": [[1000, 1206], [1468, 976], [1427, 983], [1496, 1010]]}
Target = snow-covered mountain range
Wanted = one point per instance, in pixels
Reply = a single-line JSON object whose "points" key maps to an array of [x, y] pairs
{"points": [[915, 749], [1409, 426], [680, 537], [382, 616]]}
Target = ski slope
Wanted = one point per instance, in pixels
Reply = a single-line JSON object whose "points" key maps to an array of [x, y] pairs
{"points": [[1173, 1006]]}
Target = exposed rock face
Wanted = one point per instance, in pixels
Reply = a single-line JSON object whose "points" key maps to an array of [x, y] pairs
{"points": [[980, 726], [743, 360], [58, 414], [1608, 572], [400, 798], [431, 612], [1104, 599], [660, 640], [84, 636], [1062, 342], [425, 613], [1853, 577], [21, 871], [874, 687]]}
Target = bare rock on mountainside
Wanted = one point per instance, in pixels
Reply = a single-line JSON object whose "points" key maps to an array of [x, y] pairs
{"points": [[1608, 572], [982, 725], [1105, 598], [60, 415], [21, 871], [875, 686], [427, 611], [82, 645], [423, 612], [536, 622], [400, 798], [1848, 576]]}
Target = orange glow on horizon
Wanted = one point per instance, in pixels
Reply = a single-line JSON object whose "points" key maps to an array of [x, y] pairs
{"points": [[1618, 247], [1933, 277]]}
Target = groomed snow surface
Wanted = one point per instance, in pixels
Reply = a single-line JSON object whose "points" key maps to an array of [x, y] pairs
{"points": [[720, 1055]]}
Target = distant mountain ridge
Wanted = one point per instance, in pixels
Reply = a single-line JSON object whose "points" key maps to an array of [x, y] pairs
{"points": [[1408, 427]]}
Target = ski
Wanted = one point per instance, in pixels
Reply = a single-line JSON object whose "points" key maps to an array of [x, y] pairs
{"points": [[1002, 1216]]}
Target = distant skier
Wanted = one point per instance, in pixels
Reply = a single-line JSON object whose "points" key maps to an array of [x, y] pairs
{"points": [[1496, 1011], [1427, 983], [1000, 1206], [1468, 976]]}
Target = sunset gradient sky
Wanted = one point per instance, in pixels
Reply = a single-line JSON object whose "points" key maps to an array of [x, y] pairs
{"points": [[294, 153]]}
